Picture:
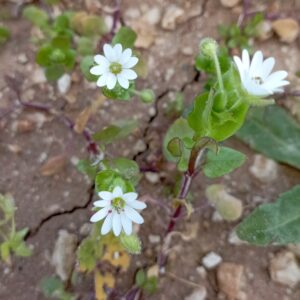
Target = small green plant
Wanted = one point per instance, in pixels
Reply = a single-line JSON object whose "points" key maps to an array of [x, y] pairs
{"points": [[146, 283], [53, 288], [70, 36], [235, 36], [12, 240], [4, 34]]}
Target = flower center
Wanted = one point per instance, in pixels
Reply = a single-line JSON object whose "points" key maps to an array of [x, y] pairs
{"points": [[258, 80], [115, 68], [118, 203]]}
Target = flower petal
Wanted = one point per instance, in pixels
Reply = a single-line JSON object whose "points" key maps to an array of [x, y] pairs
{"points": [[124, 83], [102, 80], [102, 203], [133, 215], [117, 192], [132, 61], [255, 89], [276, 77], [98, 70], [256, 64], [99, 215], [125, 56], [267, 67], [105, 195], [126, 223], [116, 223], [240, 67], [129, 74], [111, 81], [246, 60], [101, 60], [117, 51], [107, 224], [109, 52], [129, 197], [137, 204]]}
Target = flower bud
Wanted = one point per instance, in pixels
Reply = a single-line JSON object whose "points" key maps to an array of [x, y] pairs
{"points": [[208, 47], [131, 243], [147, 96]]}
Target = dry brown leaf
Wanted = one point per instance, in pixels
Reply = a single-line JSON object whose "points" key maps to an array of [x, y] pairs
{"points": [[287, 29], [53, 165], [84, 116], [146, 33]]}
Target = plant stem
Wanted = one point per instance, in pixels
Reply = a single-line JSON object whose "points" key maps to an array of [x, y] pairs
{"points": [[195, 158], [218, 70]]}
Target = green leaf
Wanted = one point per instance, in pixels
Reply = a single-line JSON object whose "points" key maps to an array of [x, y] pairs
{"points": [[54, 72], [5, 252], [180, 129], [62, 42], [51, 285], [88, 253], [7, 204], [140, 278], [62, 22], [84, 166], [107, 180], [85, 46], [273, 132], [175, 147], [43, 55], [126, 37], [277, 222], [131, 243], [224, 162], [115, 132], [119, 93], [127, 168], [4, 34], [85, 65], [151, 285], [36, 16]]}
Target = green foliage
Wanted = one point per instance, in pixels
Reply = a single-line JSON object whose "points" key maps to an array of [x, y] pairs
{"points": [[238, 36], [85, 65], [126, 168], [148, 284], [85, 166], [126, 37], [59, 49], [224, 162], [131, 243], [12, 241], [107, 180], [36, 16], [88, 24], [89, 252], [273, 132], [219, 115], [115, 132], [119, 93], [53, 287], [4, 34], [175, 147], [277, 222]]}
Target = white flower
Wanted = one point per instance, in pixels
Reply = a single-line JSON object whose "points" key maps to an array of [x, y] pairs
{"points": [[114, 66], [256, 75], [119, 211]]}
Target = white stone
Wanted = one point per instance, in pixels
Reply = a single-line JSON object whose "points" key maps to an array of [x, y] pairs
{"points": [[284, 269], [230, 3], [152, 16], [171, 15], [198, 294], [63, 257], [211, 260], [233, 239], [22, 58], [64, 84], [152, 177], [154, 239], [264, 169]]}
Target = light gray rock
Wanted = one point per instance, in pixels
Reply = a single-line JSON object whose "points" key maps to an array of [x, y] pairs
{"points": [[198, 294], [63, 257]]}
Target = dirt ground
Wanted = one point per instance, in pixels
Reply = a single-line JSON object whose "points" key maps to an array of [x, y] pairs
{"points": [[47, 204]]}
